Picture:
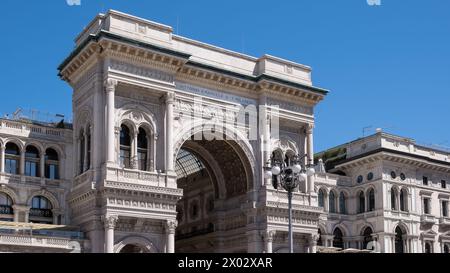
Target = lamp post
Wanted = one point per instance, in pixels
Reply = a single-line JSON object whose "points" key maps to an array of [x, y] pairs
{"points": [[288, 174]]}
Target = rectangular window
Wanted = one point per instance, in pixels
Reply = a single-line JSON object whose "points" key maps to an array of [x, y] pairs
{"points": [[142, 161], [125, 158], [445, 208], [51, 171], [443, 184], [425, 181], [11, 166], [426, 205], [31, 169]]}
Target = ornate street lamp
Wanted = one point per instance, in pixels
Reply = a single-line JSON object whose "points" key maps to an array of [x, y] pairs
{"points": [[288, 174]]}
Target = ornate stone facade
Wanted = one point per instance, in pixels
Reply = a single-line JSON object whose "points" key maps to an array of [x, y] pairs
{"points": [[386, 189], [136, 92]]}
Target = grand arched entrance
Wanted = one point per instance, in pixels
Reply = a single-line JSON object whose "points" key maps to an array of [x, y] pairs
{"points": [[215, 177]]}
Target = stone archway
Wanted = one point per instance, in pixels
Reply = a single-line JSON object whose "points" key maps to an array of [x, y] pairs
{"points": [[215, 176], [135, 244]]}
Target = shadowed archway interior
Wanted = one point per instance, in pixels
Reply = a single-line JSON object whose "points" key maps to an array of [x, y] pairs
{"points": [[215, 179]]}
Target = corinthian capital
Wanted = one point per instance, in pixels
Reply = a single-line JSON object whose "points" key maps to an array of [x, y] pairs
{"points": [[269, 235], [313, 239], [170, 97], [171, 226], [110, 221], [110, 85], [309, 128]]}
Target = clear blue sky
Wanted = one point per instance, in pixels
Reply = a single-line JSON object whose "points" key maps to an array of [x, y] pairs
{"points": [[386, 66]]}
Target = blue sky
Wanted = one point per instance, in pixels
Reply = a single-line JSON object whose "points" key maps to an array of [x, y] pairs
{"points": [[386, 66]]}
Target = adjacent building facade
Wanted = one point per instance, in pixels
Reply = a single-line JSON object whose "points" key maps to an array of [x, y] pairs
{"points": [[167, 150], [385, 192]]}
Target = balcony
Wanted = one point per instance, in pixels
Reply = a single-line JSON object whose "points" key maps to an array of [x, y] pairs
{"points": [[6, 210], [428, 219], [444, 221], [44, 213], [40, 236]]}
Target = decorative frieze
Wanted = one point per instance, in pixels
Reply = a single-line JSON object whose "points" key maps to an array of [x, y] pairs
{"points": [[290, 106], [214, 94], [140, 71]]}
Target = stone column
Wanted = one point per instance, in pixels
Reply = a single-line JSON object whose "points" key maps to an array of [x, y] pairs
{"points": [[134, 151], [268, 241], [110, 87], [171, 227], [2, 158], [150, 144], [110, 223], [42, 165], [22, 162], [16, 210], [310, 152], [312, 241], [26, 210], [170, 100], [266, 138], [56, 214]]}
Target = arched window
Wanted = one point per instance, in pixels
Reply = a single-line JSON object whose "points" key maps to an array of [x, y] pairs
{"points": [[362, 203], [393, 199], [32, 161], [338, 240], [367, 237], [446, 249], [332, 202], [403, 200], [12, 158], [81, 152], [321, 198], [342, 203], [125, 146], [399, 248], [5, 206], [51, 164], [371, 197], [428, 247], [41, 210], [142, 153]]}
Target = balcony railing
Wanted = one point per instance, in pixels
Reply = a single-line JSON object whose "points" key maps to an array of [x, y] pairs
{"points": [[444, 221], [429, 219], [45, 213], [6, 210]]}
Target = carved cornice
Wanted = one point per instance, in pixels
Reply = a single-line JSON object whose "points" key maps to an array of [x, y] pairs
{"points": [[152, 62]]}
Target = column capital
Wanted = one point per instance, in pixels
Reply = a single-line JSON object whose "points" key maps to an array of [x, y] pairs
{"points": [[170, 98], [110, 85], [309, 128], [110, 221], [21, 208], [2, 147], [313, 239], [268, 235], [171, 226]]}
